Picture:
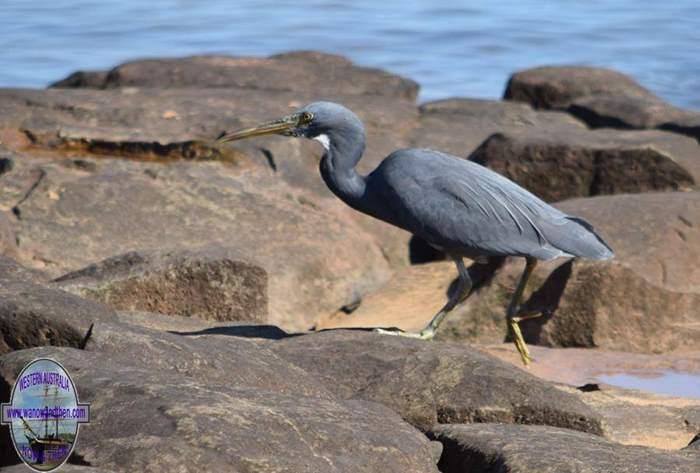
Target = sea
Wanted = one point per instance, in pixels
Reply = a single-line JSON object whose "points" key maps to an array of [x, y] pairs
{"points": [[452, 48]]}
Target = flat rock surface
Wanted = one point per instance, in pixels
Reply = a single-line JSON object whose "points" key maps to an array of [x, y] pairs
{"points": [[194, 426], [206, 356], [537, 449], [432, 382], [630, 417], [407, 301]]}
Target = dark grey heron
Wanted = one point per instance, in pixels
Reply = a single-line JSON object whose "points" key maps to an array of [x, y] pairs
{"points": [[457, 206]]}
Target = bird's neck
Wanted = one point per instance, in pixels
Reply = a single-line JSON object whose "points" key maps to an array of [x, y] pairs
{"points": [[338, 168]]}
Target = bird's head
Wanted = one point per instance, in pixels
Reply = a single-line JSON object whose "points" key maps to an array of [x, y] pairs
{"points": [[317, 120]]}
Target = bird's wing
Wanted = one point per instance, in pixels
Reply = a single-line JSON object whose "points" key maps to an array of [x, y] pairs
{"points": [[456, 203]]}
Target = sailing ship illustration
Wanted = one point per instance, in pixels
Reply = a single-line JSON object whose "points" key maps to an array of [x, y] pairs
{"points": [[51, 448]]}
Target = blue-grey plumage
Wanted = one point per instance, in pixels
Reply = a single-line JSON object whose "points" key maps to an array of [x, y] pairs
{"points": [[469, 210], [454, 204]]}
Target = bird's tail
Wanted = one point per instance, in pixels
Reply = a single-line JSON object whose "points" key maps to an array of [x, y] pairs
{"points": [[586, 242]]}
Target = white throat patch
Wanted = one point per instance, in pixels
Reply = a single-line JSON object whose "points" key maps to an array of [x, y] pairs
{"points": [[324, 140]]}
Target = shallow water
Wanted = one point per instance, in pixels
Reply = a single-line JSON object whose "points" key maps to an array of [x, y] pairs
{"points": [[451, 48], [669, 383]]}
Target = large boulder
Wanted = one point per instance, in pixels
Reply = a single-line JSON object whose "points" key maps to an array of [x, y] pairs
{"points": [[458, 126], [206, 355], [580, 163], [642, 301], [621, 111], [429, 383], [600, 98], [316, 259], [289, 72], [212, 283], [555, 87], [188, 425], [164, 126], [32, 314], [537, 449], [655, 234]]}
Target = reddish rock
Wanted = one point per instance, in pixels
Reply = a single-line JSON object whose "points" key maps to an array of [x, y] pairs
{"points": [[290, 72], [581, 163], [555, 87], [211, 283]]}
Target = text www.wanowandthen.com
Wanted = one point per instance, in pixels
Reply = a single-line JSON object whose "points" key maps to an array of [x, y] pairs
{"points": [[43, 413]]}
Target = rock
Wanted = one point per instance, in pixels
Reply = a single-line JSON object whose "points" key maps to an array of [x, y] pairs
{"points": [[171, 323], [459, 126], [600, 98], [206, 355], [317, 261], [32, 314], [82, 79], [194, 426], [555, 87], [657, 235], [429, 383], [163, 126], [290, 72], [600, 111], [213, 284], [590, 304], [580, 163], [407, 301], [642, 301], [629, 417], [638, 418], [537, 449]]}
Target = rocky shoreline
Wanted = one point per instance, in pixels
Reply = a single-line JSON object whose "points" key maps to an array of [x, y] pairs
{"points": [[213, 276]]}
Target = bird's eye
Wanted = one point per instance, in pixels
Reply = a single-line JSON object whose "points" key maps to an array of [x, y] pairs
{"points": [[306, 117]]}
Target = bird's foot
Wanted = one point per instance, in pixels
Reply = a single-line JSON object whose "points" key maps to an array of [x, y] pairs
{"points": [[523, 313], [426, 334]]}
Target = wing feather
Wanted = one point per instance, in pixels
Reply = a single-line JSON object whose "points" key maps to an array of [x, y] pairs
{"points": [[459, 204]]}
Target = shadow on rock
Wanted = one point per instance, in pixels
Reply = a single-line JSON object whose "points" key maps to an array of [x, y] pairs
{"points": [[267, 332], [546, 299]]}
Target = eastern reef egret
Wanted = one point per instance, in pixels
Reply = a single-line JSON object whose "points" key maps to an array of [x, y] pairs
{"points": [[457, 206]]}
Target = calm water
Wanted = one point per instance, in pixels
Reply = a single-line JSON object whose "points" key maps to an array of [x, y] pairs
{"points": [[670, 383], [452, 48]]}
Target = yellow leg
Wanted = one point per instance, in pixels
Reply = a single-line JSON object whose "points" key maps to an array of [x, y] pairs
{"points": [[512, 312], [464, 286]]}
